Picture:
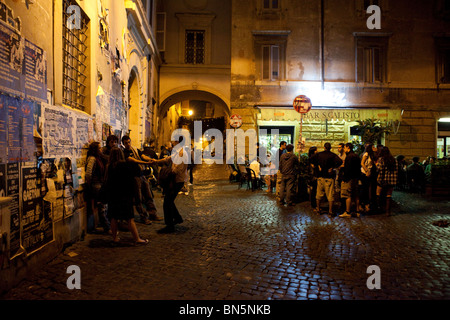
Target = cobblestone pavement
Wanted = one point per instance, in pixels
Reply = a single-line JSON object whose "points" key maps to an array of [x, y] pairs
{"points": [[240, 245]]}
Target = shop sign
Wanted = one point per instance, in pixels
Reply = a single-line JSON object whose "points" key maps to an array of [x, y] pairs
{"points": [[349, 115]]}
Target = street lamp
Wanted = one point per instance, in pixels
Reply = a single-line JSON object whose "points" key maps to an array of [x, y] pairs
{"points": [[190, 112]]}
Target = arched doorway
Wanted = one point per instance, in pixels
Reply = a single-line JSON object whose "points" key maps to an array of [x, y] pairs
{"points": [[134, 118], [181, 109]]}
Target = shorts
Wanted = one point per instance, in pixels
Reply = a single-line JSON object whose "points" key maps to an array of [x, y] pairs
{"points": [[349, 189], [325, 187]]}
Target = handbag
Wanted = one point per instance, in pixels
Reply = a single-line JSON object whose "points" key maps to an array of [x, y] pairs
{"points": [[166, 177]]}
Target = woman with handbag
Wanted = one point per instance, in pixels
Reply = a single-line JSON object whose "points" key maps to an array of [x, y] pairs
{"points": [[387, 177], [368, 178]]}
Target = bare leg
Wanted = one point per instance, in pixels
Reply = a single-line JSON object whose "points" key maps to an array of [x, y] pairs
{"points": [[348, 204], [132, 227]]}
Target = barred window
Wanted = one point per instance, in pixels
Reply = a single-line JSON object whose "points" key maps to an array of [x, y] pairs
{"points": [[75, 41], [195, 47]]}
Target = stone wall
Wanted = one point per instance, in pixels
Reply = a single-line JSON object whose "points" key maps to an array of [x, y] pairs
{"points": [[416, 135]]}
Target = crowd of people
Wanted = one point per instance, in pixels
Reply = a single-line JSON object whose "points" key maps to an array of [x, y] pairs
{"points": [[117, 181], [352, 184], [120, 179]]}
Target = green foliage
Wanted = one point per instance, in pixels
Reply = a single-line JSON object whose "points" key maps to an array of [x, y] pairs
{"points": [[373, 130]]}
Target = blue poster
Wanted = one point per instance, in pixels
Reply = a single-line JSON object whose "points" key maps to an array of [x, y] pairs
{"points": [[14, 124], [16, 129], [27, 143], [35, 72], [3, 129], [12, 46], [23, 65]]}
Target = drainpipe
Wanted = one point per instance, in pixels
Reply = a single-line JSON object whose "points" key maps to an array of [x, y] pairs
{"points": [[322, 49]]}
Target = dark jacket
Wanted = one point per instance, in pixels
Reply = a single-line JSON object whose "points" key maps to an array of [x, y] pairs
{"points": [[324, 161], [288, 164], [352, 167]]}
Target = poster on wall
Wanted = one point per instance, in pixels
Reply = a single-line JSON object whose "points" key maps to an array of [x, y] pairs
{"points": [[2, 180], [35, 71], [12, 185], [16, 129], [23, 65], [13, 124], [12, 46], [82, 135], [37, 223], [58, 140], [3, 131], [26, 128]]}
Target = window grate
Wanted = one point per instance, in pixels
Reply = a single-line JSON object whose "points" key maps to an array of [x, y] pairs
{"points": [[74, 59], [195, 47]]}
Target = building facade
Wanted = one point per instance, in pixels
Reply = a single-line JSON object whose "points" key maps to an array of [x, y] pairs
{"points": [[354, 63], [196, 61], [72, 72]]}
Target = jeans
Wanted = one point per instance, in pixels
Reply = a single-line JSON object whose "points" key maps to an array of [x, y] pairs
{"points": [[171, 214], [144, 197], [287, 188], [92, 202]]}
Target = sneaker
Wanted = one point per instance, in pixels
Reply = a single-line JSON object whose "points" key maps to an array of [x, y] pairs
{"points": [[356, 215], [345, 215]]}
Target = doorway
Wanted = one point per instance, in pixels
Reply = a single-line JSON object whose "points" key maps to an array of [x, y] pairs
{"points": [[134, 109]]}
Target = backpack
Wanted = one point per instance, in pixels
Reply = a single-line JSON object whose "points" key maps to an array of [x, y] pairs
{"points": [[166, 177]]}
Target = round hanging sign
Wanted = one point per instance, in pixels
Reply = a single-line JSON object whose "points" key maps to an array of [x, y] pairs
{"points": [[235, 121], [302, 104]]}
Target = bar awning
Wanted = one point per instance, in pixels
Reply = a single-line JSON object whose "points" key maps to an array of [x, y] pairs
{"points": [[278, 114]]}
